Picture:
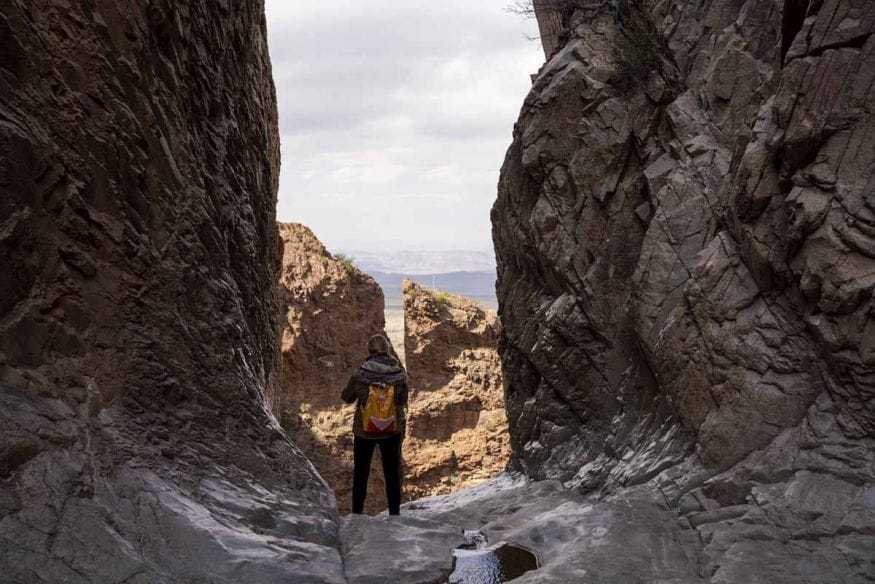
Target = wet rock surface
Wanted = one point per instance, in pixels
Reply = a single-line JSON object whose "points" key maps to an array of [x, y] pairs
{"points": [[683, 232], [457, 429], [138, 320], [331, 310], [498, 563]]}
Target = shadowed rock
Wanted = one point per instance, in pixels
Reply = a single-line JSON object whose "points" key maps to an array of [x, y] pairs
{"points": [[398, 550], [684, 231], [138, 329], [633, 539]]}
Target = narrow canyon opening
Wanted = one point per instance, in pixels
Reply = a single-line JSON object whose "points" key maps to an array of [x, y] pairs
{"points": [[684, 238], [456, 433], [420, 286]]}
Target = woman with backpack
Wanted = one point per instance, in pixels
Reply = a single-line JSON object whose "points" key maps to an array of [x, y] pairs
{"points": [[379, 388]]}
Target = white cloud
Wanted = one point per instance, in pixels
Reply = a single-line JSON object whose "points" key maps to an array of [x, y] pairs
{"points": [[395, 116]]}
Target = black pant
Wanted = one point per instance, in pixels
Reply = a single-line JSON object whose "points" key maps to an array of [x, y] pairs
{"points": [[390, 452]]}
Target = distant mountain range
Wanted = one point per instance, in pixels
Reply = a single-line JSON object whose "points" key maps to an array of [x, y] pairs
{"points": [[478, 285], [421, 262]]}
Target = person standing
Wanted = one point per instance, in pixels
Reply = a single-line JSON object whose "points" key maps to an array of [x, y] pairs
{"points": [[379, 389]]}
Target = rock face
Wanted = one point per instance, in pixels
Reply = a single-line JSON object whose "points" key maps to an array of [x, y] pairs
{"points": [[685, 231], [551, 28], [457, 428], [138, 321], [457, 432], [332, 309]]}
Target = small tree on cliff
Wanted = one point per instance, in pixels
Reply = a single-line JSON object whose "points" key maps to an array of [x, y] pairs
{"points": [[348, 262], [565, 8]]}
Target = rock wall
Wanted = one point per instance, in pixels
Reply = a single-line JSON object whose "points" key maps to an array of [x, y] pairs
{"points": [[457, 428], [331, 309], [549, 14], [138, 321], [685, 231]]}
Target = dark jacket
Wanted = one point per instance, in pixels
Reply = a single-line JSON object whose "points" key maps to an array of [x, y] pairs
{"points": [[376, 369]]}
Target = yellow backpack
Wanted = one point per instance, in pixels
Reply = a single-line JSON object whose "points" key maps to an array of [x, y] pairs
{"points": [[379, 416]]}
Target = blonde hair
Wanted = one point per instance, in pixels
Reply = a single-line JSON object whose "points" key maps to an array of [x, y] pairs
{"points": [[378, 345]]}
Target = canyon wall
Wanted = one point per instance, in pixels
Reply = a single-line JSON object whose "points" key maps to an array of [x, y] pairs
{"points": [[685, 231], [457, 428], [138, 315], [331, 309]]}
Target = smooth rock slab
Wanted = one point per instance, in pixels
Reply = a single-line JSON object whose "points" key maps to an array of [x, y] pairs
{"points": [[402, 550], [627, 539]]}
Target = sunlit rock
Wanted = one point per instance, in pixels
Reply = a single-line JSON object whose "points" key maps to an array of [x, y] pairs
{"points": [[330, 310], [457, 429]]}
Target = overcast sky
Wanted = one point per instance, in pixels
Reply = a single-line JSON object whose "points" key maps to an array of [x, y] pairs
{"points": [[395, 116]]}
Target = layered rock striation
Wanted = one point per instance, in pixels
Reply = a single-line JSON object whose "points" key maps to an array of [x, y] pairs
{"points": [[138, 319], [331, 310], [685, 232], [457, 429]]}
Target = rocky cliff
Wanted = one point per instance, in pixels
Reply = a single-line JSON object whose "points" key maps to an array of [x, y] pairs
{"points": [[138, 321], [331, 309], [685, 231], [457, 429]]}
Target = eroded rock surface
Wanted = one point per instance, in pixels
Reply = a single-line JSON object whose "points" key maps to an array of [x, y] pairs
{"points": [[138, 321], [331, 310], [457, 429], [685, 230]]}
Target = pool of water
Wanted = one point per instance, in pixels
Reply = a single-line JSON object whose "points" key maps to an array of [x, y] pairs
{"points": [[500, 563]]}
